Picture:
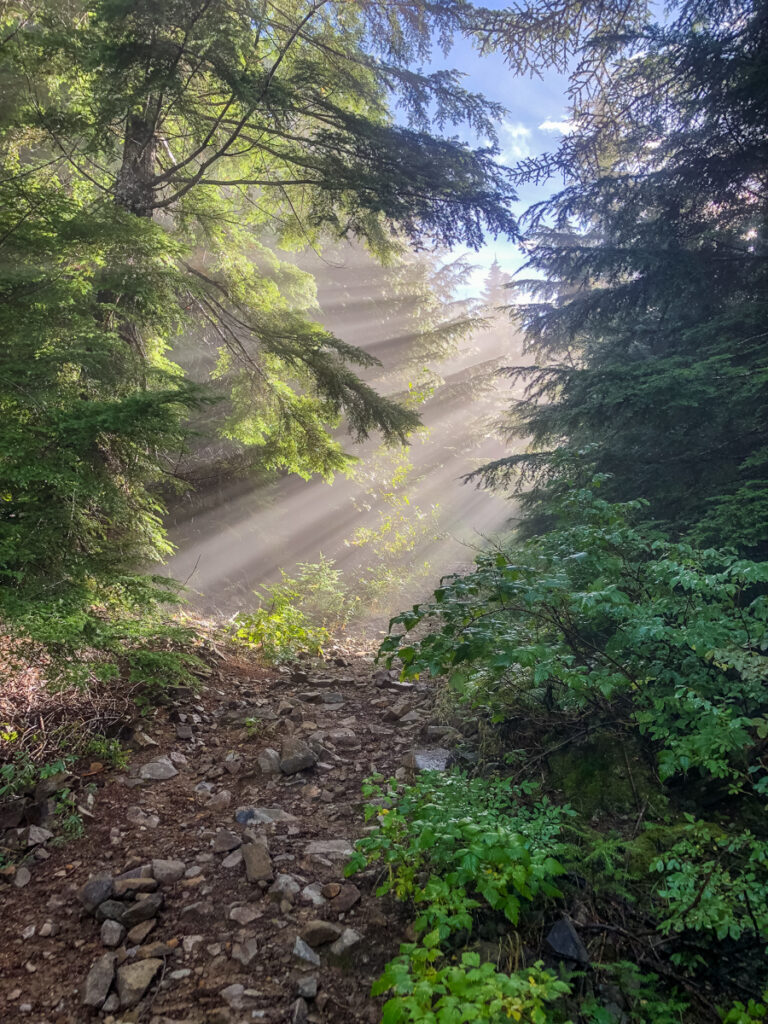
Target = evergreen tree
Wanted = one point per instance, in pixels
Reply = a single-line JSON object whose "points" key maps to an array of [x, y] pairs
{"points": [[147, 147], [649, 331]]}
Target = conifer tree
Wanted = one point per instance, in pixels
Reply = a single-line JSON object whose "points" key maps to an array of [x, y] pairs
{"points": [[652, 283]]}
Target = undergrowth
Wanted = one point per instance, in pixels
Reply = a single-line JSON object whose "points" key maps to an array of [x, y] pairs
{"points": [[620, 679]]}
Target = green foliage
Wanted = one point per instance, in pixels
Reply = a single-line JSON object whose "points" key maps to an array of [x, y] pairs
{"points": [[21, 774], [473, 840], [610, 618], [109, 750], [741, 1013], [715, 883], [647, 1003], [68, 815], [296, 615], [647, 322], [427, 993]]}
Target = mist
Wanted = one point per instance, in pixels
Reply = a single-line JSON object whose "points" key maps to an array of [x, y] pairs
{"points": [[402, 517]]}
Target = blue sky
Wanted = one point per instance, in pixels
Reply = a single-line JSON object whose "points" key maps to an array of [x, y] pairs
{"points": [[536, 116]]}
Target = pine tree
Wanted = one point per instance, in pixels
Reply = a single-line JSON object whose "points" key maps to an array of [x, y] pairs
{"points": [[649, 331]]}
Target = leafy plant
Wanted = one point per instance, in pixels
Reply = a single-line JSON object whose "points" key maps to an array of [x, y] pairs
{"points": [[426, 991], [296, 613], [451, 845], [607, 617]]}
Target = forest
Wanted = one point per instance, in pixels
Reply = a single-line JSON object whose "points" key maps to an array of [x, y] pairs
{"points": [[265, 431]]}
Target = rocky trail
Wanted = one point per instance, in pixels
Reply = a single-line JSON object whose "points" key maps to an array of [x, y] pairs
{"points": [[209, 887]]}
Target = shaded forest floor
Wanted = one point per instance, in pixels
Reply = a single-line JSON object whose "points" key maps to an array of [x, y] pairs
{"points": [[237, 858]]}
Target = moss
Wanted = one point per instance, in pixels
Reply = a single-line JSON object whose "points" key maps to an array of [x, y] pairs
{"points": [[604, 775]]}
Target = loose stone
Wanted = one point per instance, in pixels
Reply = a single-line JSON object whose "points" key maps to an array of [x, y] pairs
{"points": [[158, 771], [296, 756], [112, 934], [258, 864], [168, 871], [320, 933], [98, 981], [133, 980], [305, 953]]}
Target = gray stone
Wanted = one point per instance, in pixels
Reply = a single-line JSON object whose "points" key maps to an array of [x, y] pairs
{"points": [[137, 816], [226, 841], [198, 912], [295, 756], [299, 1011], [220, 801], [112, 1003], [233, 996], [320, 933], [22, 877], [158, 771], [34, 835], [184, 731], [134, 979], [112, 934], [258, 863], [428, 759], [334, 849], [143, 910], [168, 871], [410, 718], [233, 860], [261, 815], [306, 986], [269, 761], [312, 894], [244, 952], [305, 953], [99, 981], [343, 946], [110, 910], [243, 915], [285, 887], [564, 941]]}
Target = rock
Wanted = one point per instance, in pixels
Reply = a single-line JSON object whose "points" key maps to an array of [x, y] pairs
{"points": [[233, 860], [136, 869], [139, 932], [334, 849], [49, 929], [184, 731], [143, 741], [343, 738], [226, 841], [305, 953], [134, 979], [220, 801], [34, 835], [158, 771], [298, 1013], [112, 934], [564, 941], [233, 996], [269, 761], [295, 756], [199, 912], [137, 816], [112, 1003], [428, 759], [313, 894], [110, 910], [343, 902], [285, 887], [142, 911], [126, 887], [49, 787], [168, 871], [22, 877], [306, 986], [343, 946], [190, 943], [244, 952], [99, 981], [243, 915], [258, 863], [409, 718], [261, 815], [320, 933]]}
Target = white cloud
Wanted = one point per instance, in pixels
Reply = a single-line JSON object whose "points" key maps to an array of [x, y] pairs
{"points": [[513, 142], [563, 127]]}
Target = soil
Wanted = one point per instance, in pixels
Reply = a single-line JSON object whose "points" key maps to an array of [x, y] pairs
{"points": [[350, 713]]}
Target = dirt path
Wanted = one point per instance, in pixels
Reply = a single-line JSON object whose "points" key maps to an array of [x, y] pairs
{"points": [[216, 862]]}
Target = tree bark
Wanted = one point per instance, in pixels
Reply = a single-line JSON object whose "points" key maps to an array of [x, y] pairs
{"points": [[134, 186]]}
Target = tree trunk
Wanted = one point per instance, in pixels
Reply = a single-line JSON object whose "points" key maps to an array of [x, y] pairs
{"points": [[133, 189]]}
